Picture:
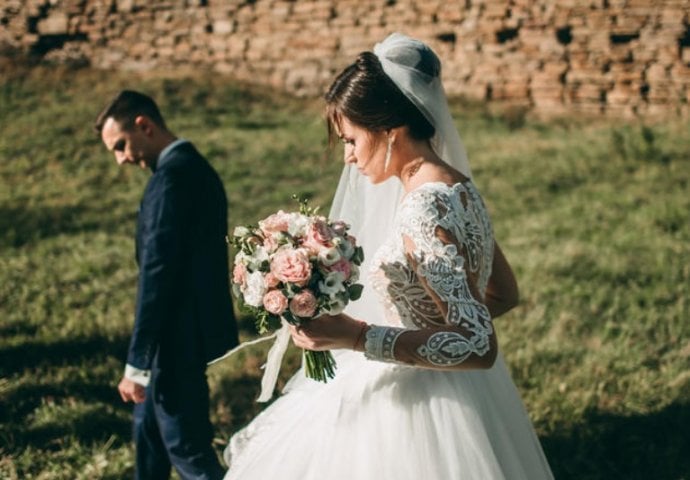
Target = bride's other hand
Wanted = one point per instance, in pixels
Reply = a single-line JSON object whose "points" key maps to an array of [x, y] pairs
{"points": [[330, 332]]}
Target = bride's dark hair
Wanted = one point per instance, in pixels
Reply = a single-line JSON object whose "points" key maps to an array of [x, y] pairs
{"points": [[365, 95]]}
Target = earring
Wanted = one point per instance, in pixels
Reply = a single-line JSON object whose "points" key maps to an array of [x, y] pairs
{"points": [[389, 152]]}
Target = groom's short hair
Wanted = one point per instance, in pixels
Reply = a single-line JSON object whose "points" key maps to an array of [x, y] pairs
{"points": [[126, 106]]}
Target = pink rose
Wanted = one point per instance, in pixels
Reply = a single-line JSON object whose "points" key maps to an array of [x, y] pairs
{"points": [[342, 266], [303, 304], [275, 302], [239, 274], [291, 266], [319, 235], [278, 222]]}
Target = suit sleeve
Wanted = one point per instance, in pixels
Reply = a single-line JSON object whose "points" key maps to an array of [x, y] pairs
{"points": [[158, 266]]}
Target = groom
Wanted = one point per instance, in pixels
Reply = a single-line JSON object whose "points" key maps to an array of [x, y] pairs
{"points": [[184, 316]]}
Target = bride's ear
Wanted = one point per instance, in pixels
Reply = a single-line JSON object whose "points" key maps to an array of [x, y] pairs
{"points": [[395, 133]]}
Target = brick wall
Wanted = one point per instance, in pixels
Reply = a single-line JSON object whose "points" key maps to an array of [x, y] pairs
{"points": [[617, 57]]}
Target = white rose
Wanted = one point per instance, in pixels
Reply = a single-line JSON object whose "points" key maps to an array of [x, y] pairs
{"points": [[259, 256], [332, 284], [297, 225], [242, 258], [241, 232], [255, 289], [329, 256]]}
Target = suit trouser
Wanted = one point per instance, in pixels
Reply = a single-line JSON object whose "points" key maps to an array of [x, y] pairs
{"points": [[172, 426]]}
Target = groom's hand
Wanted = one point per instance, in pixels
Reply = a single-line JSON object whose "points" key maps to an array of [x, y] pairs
{"points": [[131, 391]]}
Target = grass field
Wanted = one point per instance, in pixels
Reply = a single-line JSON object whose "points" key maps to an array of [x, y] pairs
{"points": [[593, 214]]}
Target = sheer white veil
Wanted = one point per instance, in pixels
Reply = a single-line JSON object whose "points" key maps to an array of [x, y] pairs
{"points": [[371, 209]]}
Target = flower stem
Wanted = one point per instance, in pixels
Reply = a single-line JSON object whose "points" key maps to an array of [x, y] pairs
{"points": [[319, 366]]}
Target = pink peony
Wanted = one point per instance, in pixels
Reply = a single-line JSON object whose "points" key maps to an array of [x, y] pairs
{"points": [[275, 302], [303, 304], [239, 274], [291, 266], [278, 222]]}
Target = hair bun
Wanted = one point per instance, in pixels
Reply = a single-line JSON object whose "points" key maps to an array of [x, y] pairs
{"points": [[367, 60]]}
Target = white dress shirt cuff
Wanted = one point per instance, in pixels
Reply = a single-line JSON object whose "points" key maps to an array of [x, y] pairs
{"points": [[142, 377]]}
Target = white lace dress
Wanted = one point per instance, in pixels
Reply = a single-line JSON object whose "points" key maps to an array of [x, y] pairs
{"points": [[380, 419]]}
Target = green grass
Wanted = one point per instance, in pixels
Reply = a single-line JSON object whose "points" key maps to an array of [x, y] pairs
{"points": [[593, 215]]}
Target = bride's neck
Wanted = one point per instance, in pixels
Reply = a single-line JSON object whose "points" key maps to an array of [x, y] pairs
{"points": [[414, 159]]}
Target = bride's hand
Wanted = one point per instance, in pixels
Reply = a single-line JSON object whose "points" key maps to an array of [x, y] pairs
{"points": [[328, 332]]}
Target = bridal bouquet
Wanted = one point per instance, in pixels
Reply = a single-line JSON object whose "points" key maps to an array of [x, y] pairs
{"points": [[296, 266]]}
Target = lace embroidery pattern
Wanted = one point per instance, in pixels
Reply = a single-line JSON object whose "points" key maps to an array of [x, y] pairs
{"points": [[459, 211], [404, 295], [445, 349], [380, 343]]}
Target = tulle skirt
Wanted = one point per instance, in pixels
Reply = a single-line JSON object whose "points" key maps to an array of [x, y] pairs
{"points": [[380, 421]]}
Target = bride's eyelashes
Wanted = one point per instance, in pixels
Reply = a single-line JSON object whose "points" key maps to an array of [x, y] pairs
{"points": [[347, 141]]}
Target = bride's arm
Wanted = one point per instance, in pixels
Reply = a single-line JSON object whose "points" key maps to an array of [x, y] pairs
{"points": [[466, 341], [502, 291]]}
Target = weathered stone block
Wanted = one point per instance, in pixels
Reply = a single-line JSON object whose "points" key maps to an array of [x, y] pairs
{"points": [[685, 55], [223, 27], [621, 94], [55, 24], [510, 91]]}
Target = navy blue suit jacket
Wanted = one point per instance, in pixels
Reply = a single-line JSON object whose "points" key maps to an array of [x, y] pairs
{"points": [[183, 310]]}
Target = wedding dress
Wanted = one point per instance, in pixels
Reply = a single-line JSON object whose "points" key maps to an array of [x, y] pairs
{"points": [[379, 419]]}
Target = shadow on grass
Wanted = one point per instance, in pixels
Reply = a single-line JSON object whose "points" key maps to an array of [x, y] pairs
{"points": [[15, 329], [21, 225], [612, 447], [47, 416], [23, 400], [48, 406], [85, 350], [59, 399], [97, 424], [237, 397]]}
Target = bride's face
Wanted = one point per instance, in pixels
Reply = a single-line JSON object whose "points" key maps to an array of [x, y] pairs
{"points": [[364, 149]]}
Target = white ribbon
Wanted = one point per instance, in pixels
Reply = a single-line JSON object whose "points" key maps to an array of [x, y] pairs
{"points": [[273, 359]]}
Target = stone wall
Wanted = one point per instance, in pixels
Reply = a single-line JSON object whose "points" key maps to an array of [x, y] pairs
{"points": [[617, 57]]}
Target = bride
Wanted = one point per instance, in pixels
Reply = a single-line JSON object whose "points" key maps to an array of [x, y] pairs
{"points": [[421, 390]]}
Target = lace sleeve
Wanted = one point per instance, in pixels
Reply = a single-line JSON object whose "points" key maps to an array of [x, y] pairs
{"points": [[442, 244]]}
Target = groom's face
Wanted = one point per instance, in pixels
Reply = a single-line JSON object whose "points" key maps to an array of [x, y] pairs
{"points": [[129, 145]]}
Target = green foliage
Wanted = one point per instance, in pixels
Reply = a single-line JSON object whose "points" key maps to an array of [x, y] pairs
{"points": [[593, 216]]}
